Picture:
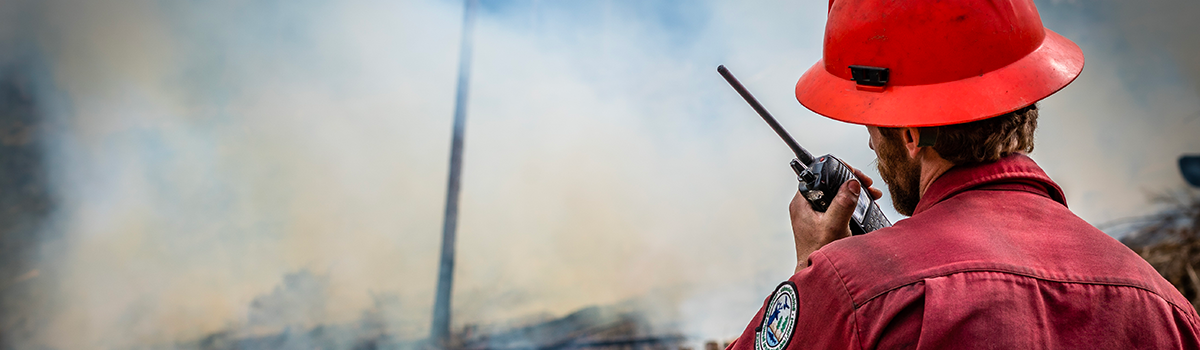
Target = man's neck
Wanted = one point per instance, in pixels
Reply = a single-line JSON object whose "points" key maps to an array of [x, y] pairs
{"points": [[932, 167]]}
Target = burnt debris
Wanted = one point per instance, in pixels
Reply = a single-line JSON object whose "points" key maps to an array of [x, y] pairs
{"points": [[589, 328], [1169, 239]]}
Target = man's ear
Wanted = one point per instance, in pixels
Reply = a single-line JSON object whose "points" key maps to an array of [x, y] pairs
{"points": [[912, 136]]}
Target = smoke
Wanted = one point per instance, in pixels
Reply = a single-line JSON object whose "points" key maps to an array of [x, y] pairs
{"points": [[298, 301], [1113, 137], [254, 167]]}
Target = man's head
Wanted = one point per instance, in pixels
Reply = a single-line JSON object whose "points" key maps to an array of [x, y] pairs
{"points": [[967, 71], [982, 141]]}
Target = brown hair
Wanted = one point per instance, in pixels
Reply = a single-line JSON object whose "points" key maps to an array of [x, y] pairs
{"points": [[983, 141]]}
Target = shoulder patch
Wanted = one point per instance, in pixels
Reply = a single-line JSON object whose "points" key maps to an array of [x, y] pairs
{"points": [[779, 319]]}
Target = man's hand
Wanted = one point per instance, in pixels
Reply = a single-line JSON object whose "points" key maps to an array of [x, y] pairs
{"points": [[813, 230]]}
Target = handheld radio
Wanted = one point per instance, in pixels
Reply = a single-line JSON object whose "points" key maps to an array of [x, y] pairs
{"points": [[820, 178]]}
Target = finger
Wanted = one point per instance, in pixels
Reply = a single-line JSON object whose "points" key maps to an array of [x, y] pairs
{"points": [[838, 214], [866, 180]]}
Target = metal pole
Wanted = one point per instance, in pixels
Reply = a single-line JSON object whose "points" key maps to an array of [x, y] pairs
{"points": [[439, 332]]}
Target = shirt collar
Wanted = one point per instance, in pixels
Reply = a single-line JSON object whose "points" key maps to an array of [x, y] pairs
{"points": [[1016, 168]]}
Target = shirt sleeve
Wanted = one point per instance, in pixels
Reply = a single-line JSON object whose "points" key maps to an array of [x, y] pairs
{"points": [[825, 312]]}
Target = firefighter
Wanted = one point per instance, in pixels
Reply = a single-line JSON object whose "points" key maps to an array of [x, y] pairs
{"points": [[990, 257]]}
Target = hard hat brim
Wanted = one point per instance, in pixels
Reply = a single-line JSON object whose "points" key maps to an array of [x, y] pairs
{"points": [[1041, 73]]}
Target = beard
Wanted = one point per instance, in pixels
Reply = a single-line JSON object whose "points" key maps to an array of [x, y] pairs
{"points": [[901, 173]]}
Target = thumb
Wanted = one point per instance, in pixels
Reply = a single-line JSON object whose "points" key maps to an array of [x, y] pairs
{"points": [[843, 204]]}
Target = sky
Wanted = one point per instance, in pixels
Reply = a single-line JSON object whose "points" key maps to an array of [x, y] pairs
{"points": [[212, 161]]}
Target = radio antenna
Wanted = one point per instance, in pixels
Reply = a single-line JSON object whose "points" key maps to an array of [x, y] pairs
{"points": [[801, 154]]}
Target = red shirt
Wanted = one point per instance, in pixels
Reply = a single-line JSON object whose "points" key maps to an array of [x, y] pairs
{"points": [[991, 259]]}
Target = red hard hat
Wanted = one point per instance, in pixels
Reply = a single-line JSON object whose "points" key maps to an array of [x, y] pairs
{"points": [[930, 63]]}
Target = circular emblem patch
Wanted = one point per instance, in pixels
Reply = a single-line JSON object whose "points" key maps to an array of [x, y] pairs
{"points": [[779, 320]]}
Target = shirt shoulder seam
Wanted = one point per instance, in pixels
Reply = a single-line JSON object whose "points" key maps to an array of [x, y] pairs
{"points": [[858, 305]]}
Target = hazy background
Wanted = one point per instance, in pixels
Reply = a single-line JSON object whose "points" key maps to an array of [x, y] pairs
{"points": [[251, 166]]}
